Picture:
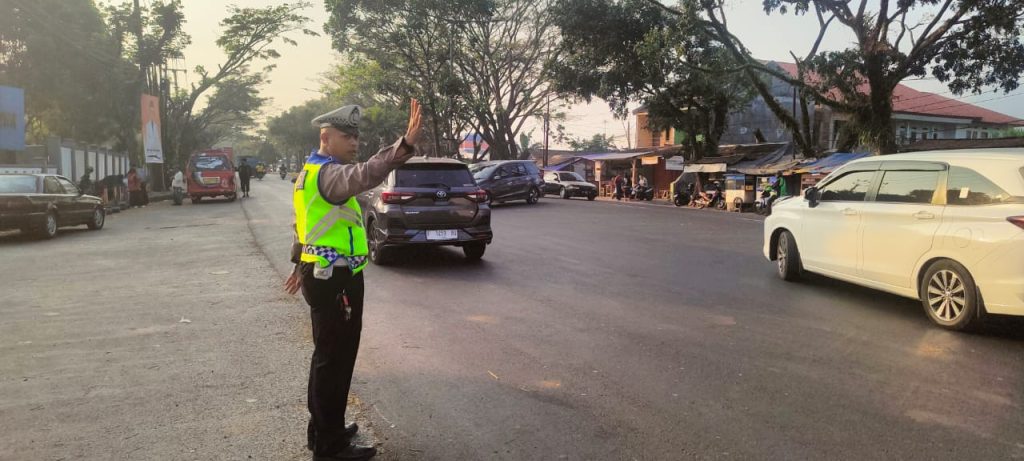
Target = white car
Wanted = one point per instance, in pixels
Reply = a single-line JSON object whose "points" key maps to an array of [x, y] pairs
{"points": [[945, 227]]}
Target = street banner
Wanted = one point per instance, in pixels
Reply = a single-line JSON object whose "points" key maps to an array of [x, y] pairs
{"points": [[151, 129], [12, 118]]}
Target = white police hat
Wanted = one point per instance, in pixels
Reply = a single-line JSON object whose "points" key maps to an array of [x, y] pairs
{"points": [[343, 118]]}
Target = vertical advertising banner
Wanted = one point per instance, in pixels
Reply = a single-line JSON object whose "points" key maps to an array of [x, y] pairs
{"points": [[151, 129], [12, 118]]}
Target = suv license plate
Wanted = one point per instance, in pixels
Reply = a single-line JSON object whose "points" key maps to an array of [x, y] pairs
{"points": [[442, 234]]}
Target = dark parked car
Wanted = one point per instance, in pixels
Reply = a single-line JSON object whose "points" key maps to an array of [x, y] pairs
{"points": [[40, 203], [510, 180], [567, 184], [427, 201]]}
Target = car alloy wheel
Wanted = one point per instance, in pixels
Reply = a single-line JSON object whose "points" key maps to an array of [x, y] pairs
{"points": [[51, 225], [534, 195], [947, 295], [787, 256], [563, 193], [98, 217]]}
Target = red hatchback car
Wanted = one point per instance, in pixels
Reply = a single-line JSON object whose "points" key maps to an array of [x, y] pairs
{"points": [[211, 175]]}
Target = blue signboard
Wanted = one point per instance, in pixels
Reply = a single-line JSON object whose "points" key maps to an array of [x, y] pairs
{"points": [[12, 118]]}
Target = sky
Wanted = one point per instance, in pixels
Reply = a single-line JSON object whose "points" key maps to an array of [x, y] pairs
{"points": [[297, 76]]}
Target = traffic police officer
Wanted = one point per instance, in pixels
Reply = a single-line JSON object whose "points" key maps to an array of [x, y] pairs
{"points": [[330, 253]]}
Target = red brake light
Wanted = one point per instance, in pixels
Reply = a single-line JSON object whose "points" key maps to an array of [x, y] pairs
{"points": [[479, 196], [1017, 221], [396, 197]]}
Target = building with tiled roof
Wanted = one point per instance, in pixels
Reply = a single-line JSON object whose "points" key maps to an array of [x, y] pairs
{"points": [[917, 115]]}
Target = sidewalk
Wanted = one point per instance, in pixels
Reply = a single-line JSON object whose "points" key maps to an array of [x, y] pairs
{"points": [[163, 336]]}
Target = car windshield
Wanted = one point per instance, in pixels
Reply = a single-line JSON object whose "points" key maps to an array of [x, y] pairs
{"points": [[17, 184], [212, 163], [570, 177], [433, 176]]}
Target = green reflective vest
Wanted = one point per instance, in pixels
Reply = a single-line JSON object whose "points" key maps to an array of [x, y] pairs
{"points": [[323, 226]]}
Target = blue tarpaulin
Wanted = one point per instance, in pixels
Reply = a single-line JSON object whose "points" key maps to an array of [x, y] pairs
{"points": [[12, 118]]}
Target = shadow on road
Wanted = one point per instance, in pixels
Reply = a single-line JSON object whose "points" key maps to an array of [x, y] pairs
{"points": [[897, 307], [442, 262]]}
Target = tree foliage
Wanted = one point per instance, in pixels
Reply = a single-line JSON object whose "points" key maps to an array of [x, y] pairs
{"points": [[597, 143], [476, 65], [631, 51], [76, 81], [970, 45]]}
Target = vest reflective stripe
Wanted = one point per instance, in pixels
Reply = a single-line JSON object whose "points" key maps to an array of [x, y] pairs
{"points": [[322, 224], [330, 219]]}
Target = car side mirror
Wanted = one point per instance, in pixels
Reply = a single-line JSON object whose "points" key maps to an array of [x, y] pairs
{"points": [[496, 177], [813, 196]]}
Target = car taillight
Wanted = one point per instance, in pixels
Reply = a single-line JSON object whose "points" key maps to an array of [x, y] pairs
{"points": [[479, 196], [396, 197], [1017, 221]]}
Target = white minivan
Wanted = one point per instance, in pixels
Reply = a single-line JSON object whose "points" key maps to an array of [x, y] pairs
{"points": [[945, 227]]}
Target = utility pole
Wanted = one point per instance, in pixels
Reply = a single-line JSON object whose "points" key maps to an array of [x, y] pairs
{"points": [[547, 129]]}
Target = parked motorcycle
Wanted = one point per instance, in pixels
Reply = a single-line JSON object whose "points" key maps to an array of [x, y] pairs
{"points": [[643, 193], [713, 200], [683, 196]]}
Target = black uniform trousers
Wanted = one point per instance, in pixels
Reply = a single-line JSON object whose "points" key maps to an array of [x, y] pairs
{"points": [[336, 343]]}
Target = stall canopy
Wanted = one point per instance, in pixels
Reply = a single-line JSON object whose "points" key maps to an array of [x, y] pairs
{"points": [[827, 164], [604, 156], [705, 168], [782, 159]]}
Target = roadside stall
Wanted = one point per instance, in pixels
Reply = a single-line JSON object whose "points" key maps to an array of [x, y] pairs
{"points": [[814, 170], [740, 191]]}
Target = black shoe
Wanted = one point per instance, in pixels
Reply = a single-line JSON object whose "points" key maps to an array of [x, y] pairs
{"points": [[349, 432], [350, 453]]}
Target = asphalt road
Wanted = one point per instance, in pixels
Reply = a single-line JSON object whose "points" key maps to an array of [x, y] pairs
{"points": [[591, 330], [610, 331]]}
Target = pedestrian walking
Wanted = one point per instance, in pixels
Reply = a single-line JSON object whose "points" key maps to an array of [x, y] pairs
{"points": [[617, 182], [134, 189], [330, 252], [244, 175]]}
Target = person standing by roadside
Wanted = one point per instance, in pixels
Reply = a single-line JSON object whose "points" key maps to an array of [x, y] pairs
{"points": [[244, 175], [617, 182], [330, 253], [134, 189]]}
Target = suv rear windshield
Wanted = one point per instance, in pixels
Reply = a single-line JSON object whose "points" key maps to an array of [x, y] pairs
{"points": [[433, 176], [17, 184]]}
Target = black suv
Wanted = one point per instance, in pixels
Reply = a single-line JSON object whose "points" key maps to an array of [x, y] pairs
{"points": [[509, 180], [427, 201]]}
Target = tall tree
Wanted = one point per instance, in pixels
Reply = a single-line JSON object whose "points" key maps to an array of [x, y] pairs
{"points": [[631, 51], [71, 68], [971, 45], [414, 43], [503, 59], [597, 143]]}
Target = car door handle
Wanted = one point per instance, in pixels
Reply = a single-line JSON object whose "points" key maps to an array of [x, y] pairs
{"points": [[849, 212], [924, 215]]}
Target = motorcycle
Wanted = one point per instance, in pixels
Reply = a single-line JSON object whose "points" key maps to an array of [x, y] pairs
{"points": [[178, 195], [763, 206], [643, 193], [713, 200], [683, 196], [284, 174]]}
